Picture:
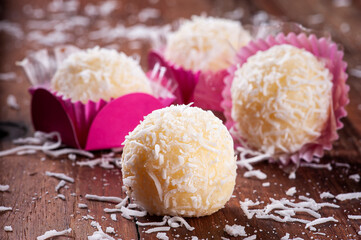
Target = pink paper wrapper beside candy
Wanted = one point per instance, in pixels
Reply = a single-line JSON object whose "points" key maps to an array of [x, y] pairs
{"points": [[321, 48], [94, 125]]}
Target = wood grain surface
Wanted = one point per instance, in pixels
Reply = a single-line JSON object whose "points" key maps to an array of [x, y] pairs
{"points": [[32, 194]]}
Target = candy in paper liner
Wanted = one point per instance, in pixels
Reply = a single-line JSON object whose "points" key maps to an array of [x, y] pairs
{"points": [[203, 88], [323, 49], [94, 125]]}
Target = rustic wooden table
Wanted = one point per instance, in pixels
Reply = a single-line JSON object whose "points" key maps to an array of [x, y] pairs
{"points": [[31, 25]]}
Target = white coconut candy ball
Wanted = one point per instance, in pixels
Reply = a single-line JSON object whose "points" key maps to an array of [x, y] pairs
{"points": [[99, 73], [206, 43], [281, 99], [179, 161]]}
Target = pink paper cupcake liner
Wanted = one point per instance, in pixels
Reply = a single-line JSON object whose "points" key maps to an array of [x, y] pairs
{"points": [[93, 125], [322, 48], [204, 89]]}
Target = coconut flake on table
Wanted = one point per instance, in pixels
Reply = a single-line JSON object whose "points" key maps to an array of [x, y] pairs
{"points": [[317, 166], [157, 229], [60, 185], [348, 196], [355, 177], [4, 188], [292, 175], [7, 76], [109, 230], [326, 195], [321, 221], [355, 72], [162, 223], [87, 217], [53, 233], [113, 217], [266, 184], [252, 237], [12, 102], [342, 3], [60, 176], [3, 208], [162, 236], [103, 162], [235, 230], [61, 196], [339, 164], [291, 191], [12, 29], [82, 205], [356, 217], [148, 13], [255, 173], [99, 235], [8, 229], [110, 199]]}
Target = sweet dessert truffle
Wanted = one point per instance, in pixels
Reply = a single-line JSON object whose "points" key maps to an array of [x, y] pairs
{"points": [[281, 99], [99, 73], [179, 161], [205, 43]]}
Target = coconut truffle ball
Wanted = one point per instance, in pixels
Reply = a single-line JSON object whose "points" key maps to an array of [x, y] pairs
{"points": [[99, 73], [179, 161], [205, 43], [281, 99]]}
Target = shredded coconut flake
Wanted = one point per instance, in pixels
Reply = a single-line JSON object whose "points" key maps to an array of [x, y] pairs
{"points": [[8, 228], [291, 191], [266, 184], [235, 230], [326, 195], [3, 209], [7, 76], [82, 205], [255, 173], [99, 235], [103, 198], [355, 177], [53, 233], [12, 102], [60, 176], [317, 166], [4, 188], [162, 236], [253, 237], [113, 217], [109, 230], [321, 221], [357, 217], [348, 196], [157, 229], [60, 185]]}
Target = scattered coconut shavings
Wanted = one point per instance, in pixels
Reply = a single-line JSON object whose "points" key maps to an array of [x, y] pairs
{"points": [[113, 217], [4, 188], [162, 223], [87, 217], [12, 29], [44, 138], [355, 177], [255, 173], [122, 203], [157, 229], [356, 217], [61, 196], [60, 185], [82, 205], [251, 237], [292, 175], [326, 195], [7, 76], [348, 196], [8, 229], [291, 191], [355, 72], [3, 209], [235, 230], [266, 184], [99, 235], [104, 162], [248, 161], [162, 236], [177, 221], [148, 13], [321, 221], [129, 213], [359, 233], [72, 156], [346, 165], [317, 166], [60, 176], [12, 102], [103, 198], [109, 230], [53, 233], [286, 237], [342, 3], [112, 210], [64, 151]]}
